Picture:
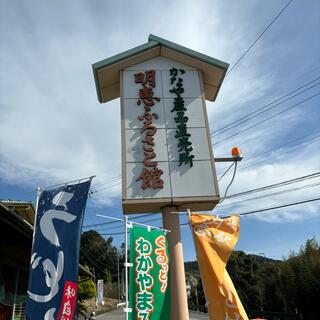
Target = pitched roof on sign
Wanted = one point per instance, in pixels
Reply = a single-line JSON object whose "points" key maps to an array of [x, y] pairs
{"points": [[107, 72]]}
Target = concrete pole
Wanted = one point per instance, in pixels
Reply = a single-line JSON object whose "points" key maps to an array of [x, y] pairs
{"points": [[179, 302]]}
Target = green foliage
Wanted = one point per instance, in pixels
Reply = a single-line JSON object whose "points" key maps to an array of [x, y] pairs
{"points": [[271, 288], [292, 285], [82, 310], [243, 270], [100, 254], [86, 288], [301, 279], [107, 277]]}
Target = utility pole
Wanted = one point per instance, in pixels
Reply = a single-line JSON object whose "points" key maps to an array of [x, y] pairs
{"points": [[95, 282], [122, 281], [118, 277]]}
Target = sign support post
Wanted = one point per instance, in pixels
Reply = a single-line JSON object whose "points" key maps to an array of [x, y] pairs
{"points": [[179, 300]]}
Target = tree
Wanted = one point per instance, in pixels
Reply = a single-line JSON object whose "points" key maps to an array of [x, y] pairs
{"points": [[242, 269], [86, 288], [271, 288], [281, 286], [301, 279], [98, 253], [107, 277]]}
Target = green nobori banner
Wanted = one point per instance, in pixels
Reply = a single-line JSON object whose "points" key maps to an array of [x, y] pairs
{"points": [[149, 289]]}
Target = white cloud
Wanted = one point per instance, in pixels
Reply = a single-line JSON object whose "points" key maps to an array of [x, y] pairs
{"points": [[284, 167], [52, 126]]}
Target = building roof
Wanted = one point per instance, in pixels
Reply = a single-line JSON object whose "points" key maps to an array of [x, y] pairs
{"points": [[12, 218], [24, 209], [107, 72], [20, 215]]}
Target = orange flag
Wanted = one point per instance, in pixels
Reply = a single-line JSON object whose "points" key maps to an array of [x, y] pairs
{"points": [[214, 240]]}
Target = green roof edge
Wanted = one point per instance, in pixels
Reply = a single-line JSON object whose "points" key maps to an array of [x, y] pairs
{"points": [[118, 57], [154, 41], [189, 52], [194, 54]]}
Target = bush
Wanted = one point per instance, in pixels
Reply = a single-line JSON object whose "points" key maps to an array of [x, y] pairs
{"points": [[86, 289]]}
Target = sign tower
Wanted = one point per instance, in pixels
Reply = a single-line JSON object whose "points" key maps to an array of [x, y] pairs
{"points": [[167, 157]]}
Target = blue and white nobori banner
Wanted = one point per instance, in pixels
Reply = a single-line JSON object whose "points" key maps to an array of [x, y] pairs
{"points": [[53, 276]]}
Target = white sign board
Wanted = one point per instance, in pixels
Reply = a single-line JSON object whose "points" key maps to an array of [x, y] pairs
{"points": [[166, 148], [100, 292]]}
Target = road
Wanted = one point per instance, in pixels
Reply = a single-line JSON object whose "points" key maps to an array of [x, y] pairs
{"points": [[119, 315]]}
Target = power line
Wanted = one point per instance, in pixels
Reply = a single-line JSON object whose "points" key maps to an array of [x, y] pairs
{"points": [[264, 120], [280, 206], [276, 185], [114, 184], [253, 211], [276, 193], [97, 262], [223, 129], [100, 224], [98, 267], [106, 181], [259, 37], [255, 190], [254, 161], [295, 180], [111, 234], [270, 208], [227, 127], [265, 108]]}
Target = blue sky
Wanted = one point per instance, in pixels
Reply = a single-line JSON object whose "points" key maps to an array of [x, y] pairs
{"points": [[53, 128]]}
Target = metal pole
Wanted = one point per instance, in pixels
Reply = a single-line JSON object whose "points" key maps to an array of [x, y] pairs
{"points": [[69, 182], [126, 267], [38, 197], [15, 296], [35, 217], [179, 303], [118, 278], [131, 222], [122, 281]]}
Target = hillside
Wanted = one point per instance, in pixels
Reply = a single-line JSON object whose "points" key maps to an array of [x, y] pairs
{"points": [[287, 286], [192, 266]]}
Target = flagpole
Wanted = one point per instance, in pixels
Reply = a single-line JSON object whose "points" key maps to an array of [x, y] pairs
{"points": [[68, 182], [36, 213], [38, 197], [126, 267], [133, 222], [191, 229]]}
